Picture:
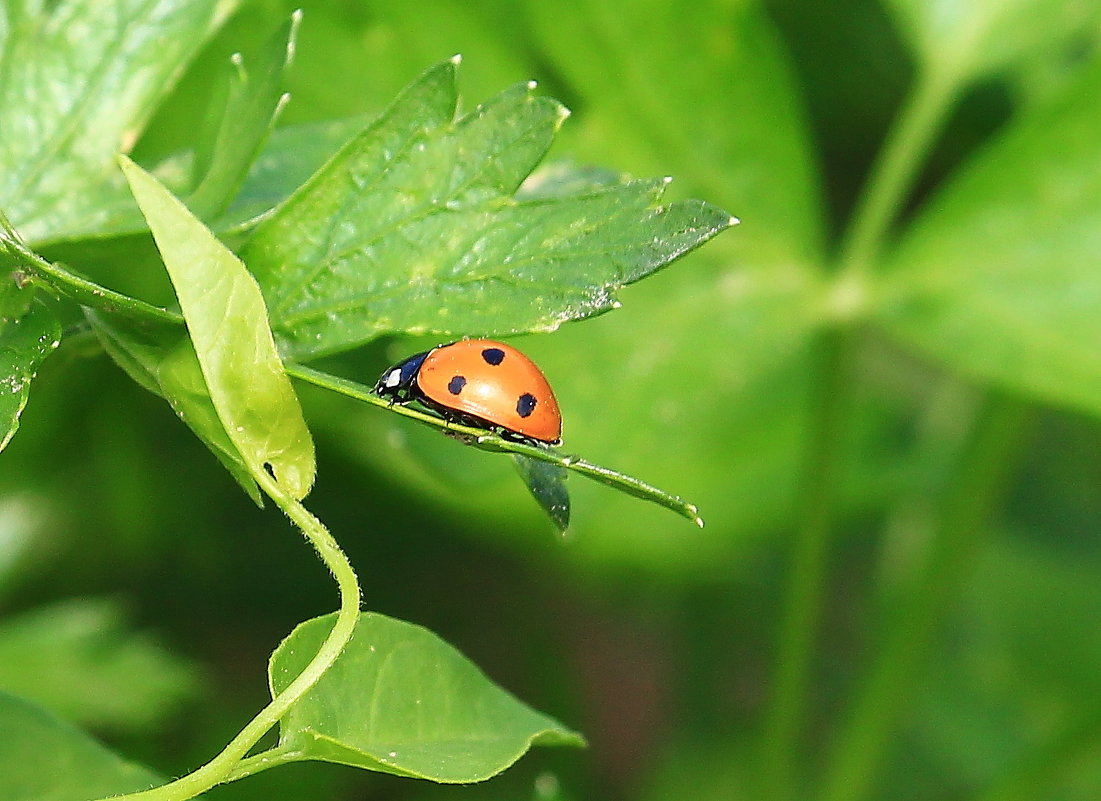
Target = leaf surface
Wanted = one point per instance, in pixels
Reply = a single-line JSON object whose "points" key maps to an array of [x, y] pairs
{"points": [[413, 227], [227, 321], [77, 83], [400, 700], [999, 276], [29, 332], [972, 37], [45, 759]]}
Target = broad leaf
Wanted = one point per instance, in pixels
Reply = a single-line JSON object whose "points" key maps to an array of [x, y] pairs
{"points": [[78, 82], [45, 759], [79, 659], [252, 97], [413, 227], [400, 700], [999, 276], [29, 332], [966, 38], [227, 321]]}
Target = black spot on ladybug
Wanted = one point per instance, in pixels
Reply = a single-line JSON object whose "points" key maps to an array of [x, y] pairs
{"points": [[456, 384], [525, 405], [493, 356]]}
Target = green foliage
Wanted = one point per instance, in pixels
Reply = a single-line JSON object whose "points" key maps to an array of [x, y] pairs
{"points": [[37, 745], [427, 711], [846, 383], [410, 228], [227, 324]]}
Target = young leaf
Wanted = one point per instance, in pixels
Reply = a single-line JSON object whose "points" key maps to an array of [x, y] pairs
{"points": [[71, 98], [253, 98], [400, 700], [45, 759], [29, 332], [227, 321], [998, 277], [547, 483], [413, 227]]}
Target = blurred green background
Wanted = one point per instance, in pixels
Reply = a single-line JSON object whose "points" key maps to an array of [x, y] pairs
{"points": [[155, 590]]}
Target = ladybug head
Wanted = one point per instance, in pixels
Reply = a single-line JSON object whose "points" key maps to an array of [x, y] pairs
{"points": [[398, 381]]}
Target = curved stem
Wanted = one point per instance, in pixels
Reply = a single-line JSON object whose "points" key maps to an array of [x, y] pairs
{"points": [[226, 764]]}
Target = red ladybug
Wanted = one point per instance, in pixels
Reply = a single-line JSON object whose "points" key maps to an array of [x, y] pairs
{"points": [[482, 383]]}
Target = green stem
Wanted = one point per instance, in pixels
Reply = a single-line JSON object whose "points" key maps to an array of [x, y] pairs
{"points": [[227, 763], [85, 292], [803, 601], [895, 169], [977, 483], [890, 181]]}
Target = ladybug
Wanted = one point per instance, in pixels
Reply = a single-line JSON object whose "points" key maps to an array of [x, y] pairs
{"points": [[482, 383]]}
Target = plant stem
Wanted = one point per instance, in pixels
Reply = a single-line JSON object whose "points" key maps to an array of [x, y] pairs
{"points": [[894, 171], [977, 483], [891, 178], [803, 601], [225, 764], [85, 292]]}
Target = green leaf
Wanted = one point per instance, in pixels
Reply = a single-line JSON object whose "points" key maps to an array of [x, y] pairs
{"points": [[79, 659], [162, 359], [998, 277], [400, 700], [45, 759], [29, 332], [547, 483], [227, 321], [413, 227], [79, 80], [967, 38], [233, 135]]}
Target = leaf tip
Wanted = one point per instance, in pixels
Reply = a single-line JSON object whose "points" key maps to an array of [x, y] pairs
{"points": [[456, 59], [732, 221]]}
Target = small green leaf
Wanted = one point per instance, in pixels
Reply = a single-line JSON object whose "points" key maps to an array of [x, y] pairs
{"points": [[29, 332], [227, 321], [998, 277], [547, 483], [45, 759], [253, 98], [400, 700], [79, 659], [79, 80], [413, 227]]}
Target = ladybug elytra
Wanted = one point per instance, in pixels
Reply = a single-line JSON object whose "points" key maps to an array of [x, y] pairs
{"points": [[482, 383]]}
